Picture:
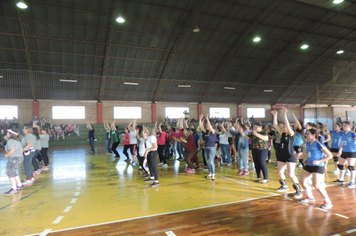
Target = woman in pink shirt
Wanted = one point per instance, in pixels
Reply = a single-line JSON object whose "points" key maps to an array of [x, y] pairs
{"points": [[161, 141], [126, 143]]}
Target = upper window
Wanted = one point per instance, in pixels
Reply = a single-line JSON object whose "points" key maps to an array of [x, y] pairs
{"points": [[256, 112], [127, 112], [68, 112], [8, 112], [176, 112], [219, 112]]}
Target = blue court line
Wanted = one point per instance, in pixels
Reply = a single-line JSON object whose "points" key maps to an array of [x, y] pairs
{"points": [[23, 197]]}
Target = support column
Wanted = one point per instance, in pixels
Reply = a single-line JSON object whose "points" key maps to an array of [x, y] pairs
{"points": [[154, 113], [332, 112], [100, 113], [302, 113], [36, 109], [200, 110], [239, 113]]}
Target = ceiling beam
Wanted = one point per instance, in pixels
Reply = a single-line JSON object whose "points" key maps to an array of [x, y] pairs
{"points": [[27, 51], [176, 47], [108, 47]]}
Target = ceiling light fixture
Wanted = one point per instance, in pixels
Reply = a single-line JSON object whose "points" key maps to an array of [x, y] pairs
{"points": [[340, 52], [196, 29], [257, 39], [120, 19], [184, 86], [1, 76], [130, 83], [337, 1], [68, 80], [304, 46], [21, 5], [232, 88], [268, 90]]}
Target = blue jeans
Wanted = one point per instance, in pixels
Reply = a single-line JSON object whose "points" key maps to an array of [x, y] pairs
{"points": [[210, 156], [34, 161], [166, 150], [107, 145], [180, 149], [91, 142], [27, 164], [173, 146], [242, 154], [225, 153]]}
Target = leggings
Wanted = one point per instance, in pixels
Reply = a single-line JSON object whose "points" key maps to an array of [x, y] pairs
{"points": [[44, 156], [160, 154], [133, 149], [113, 148], [34, 161], [269, 155], [166, 150], [27, 164], [259, 158], [13, 164], [189, 157], [126, 147], [39, 157], [173, 148], [203, 155], [151, 161], [141, 160]]}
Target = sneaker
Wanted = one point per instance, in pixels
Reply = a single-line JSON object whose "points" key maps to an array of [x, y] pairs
{"points": [[155, 184], [108, 153], [11, 192], [27, 181], [223, 163], [253, 169], [326, 205], [45, 168], [339, 181], [298, 194], [306, 199], [240, 172], [160, 164], [34, 173], [213, 178], [282, 188], [117, 156], [33, 179], [351, 185], [127, 159], [228, 165], [150, 180], [20, 187], [245, 173], [164, 165], [257, 180], [95, 139], [347, 173], [208, 176], [38, 172], [190, 170], [336, 171], [264, 181], [300, 165], [41, 162], [205, 168]]}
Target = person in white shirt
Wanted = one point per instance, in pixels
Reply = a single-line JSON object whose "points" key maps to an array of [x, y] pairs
{"points": [[151, 155], [133, 142], [224, 145]]}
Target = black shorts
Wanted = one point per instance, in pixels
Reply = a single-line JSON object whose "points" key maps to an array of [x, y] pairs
{"points": [[298, 149], [334, 150], [348, 155], [293, 159], [315, 169], [217, 144], [230, 141], [250, 147]]}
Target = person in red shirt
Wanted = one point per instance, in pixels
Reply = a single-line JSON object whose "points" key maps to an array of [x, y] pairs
{"points": [[190, 147], [179, 135], [172, 134], [127, 143], [161, 141]]}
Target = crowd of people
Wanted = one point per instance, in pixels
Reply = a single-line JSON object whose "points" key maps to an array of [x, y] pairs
{"points": [[225, 142]]}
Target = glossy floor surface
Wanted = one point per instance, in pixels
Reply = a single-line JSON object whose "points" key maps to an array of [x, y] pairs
{"points": [[83, 190]]}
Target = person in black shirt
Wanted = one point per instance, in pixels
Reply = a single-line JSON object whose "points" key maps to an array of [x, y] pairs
{"points": [[287, 154], [91, 137]]}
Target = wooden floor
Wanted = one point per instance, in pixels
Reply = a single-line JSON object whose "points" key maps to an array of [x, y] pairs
{"points": [[85, 194]]}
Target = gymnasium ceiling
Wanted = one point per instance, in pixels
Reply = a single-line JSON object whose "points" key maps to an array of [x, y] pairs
{"points": [[157, 48]]}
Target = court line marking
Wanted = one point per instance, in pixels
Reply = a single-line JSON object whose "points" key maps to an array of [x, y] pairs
{"points": [[248, 185], [23, 197], [342, 216], [336, 235], [350, 231], [67, 208], [321, 209], [44, 233], [170, 233], [79, 188], [73, 200], [161, 214], [59, 218], [76, 194]]}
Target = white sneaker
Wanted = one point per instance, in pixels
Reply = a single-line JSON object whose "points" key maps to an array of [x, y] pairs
{"points": [[164, 165], [33, 179], [27, 181], [160, 164], [336, 171]]}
